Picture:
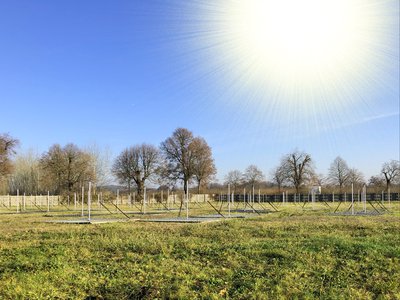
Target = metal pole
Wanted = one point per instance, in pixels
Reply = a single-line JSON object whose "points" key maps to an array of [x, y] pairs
{"points": [[229, 200], [17, 201], [168, 198], [187, 201], [253, 196], [83, 198], [365, 198], [89, 200], [352, 199], [144, 200]]}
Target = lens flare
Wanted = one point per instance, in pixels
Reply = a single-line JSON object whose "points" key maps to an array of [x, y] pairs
{"points": [[310, 64], [296, 41]]}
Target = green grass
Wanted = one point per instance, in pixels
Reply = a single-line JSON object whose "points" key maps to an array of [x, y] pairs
{"points": [[289, 254]]}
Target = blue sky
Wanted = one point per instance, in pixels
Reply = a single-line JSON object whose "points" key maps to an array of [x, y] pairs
{"points": [[119, 73]]}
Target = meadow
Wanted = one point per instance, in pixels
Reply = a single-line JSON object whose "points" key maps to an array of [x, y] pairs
{"points": [[290, 254]]}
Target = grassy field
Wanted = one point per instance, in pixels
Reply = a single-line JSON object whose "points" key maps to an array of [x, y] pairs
{"points": [[289, 254]]}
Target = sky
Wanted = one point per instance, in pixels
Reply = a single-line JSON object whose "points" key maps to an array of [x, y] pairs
{"points": [[120, 73]]}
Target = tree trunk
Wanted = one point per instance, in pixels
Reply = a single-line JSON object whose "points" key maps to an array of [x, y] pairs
{"points": [[198, 187], [185, 184], [297, 188], [140, 190]]}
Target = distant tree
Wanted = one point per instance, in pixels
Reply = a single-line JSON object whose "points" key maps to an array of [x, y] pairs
{"points": [[356, 177], [136, 165], [102, 164], [234, 178], [318, 179], [298, 167], [203, 163], [376, 182], [181, 155], [122, 168], [215, 186], [253, 175], [26, 173], [339, 173], [391, 171], [279, 176], [66, 168], [7, 149]]}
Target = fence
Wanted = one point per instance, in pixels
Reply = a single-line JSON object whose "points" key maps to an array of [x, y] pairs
{"points": [[152, 198], [307, 197], [25, 201], [44, 200]]}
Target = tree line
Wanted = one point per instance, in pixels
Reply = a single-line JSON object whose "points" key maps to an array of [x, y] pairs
{"points": [[296, 171], [182, 157], [180, 160]]}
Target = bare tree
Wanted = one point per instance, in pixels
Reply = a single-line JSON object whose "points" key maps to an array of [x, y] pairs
{"points": [[7, 149], [122, 168], [65, 168], [234, 178], [390, 170], [179, 156], [136, 165], [339, 173], [52, 167], [203, 163], [356, 177], [299, 168], [279, 176], [253, 175], [101, 158], [376, 182], [26, 173]]}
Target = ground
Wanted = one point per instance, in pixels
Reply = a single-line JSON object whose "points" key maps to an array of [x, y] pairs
{"points": [[294, 253]]}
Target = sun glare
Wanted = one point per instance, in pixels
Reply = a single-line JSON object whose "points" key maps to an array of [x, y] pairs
{"points": [[297, 39], [297, 63]]}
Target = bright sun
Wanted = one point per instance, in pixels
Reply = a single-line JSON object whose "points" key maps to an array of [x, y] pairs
{"points": [[316, 63], [297, 39]]}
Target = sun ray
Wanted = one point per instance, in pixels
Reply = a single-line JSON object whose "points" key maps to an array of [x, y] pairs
{"points": [[299, 64]]}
